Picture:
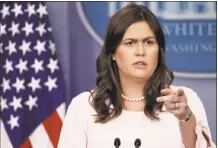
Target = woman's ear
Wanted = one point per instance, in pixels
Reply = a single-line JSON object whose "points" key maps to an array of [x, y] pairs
{"points": [[113, 57]]}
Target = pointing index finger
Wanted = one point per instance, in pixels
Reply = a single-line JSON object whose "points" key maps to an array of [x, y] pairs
{"points": [[166, 91]]}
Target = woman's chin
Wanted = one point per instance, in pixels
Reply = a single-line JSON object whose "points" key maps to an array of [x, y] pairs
{"points": [[142, 76]]}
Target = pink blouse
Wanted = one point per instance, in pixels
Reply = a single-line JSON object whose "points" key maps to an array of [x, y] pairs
{"points": [[80, 131]]}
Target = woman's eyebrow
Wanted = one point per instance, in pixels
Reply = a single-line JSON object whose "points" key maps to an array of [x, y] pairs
{"points": [[135, 39]]}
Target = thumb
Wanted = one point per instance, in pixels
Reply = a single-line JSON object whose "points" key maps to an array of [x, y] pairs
{"points": [[180, 92]]}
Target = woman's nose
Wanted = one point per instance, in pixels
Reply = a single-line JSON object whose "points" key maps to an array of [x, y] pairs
{"points": [[140, 51]]}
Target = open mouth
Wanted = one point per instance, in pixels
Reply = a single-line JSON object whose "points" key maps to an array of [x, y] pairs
{"points": [[139, 64]]}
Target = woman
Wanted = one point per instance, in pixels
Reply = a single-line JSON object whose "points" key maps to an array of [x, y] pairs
{"points": [[134, 98]]}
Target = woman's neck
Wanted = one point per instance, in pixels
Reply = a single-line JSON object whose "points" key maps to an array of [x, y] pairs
{"points": [[132, 88]]}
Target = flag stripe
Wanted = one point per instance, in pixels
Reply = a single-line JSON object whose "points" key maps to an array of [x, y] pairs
{"points": [[5, 142], [53, 130], [61, 111], [26, 144], [39, 138]]}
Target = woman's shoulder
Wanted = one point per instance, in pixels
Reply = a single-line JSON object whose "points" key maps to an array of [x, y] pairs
{"points": [[82, 101], [82, 97]]}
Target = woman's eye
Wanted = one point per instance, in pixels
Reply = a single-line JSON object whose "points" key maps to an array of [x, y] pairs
{"points": [[130, 43], [150, 42]]}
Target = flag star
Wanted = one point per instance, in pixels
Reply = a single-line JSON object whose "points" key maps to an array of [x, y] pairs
{"points": [[51, 83], [16, 103], [52, 47], [30, 9], [5, 84], [17, 9], [34, 84], [41, 29], [28, 28], [5, 11], [42, 10], [37, 65], [19, 84], [53, 65], [21, 66], [14, 28], [2, 29], [31, 102], [3, 104], [13, 121], [11, 47], [40, 47], [25, 47], [8, 66]]}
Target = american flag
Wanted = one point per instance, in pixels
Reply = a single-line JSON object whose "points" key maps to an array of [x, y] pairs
{"points": [[32, 88]]}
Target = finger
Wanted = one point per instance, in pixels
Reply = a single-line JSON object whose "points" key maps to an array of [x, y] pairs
{"points": [[168, 98], [170, 105], [173, 111], [180, 92], [166, 91], [170, 109]]}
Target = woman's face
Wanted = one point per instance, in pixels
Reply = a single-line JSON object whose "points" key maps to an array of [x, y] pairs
{"points": [[137, 54]]}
